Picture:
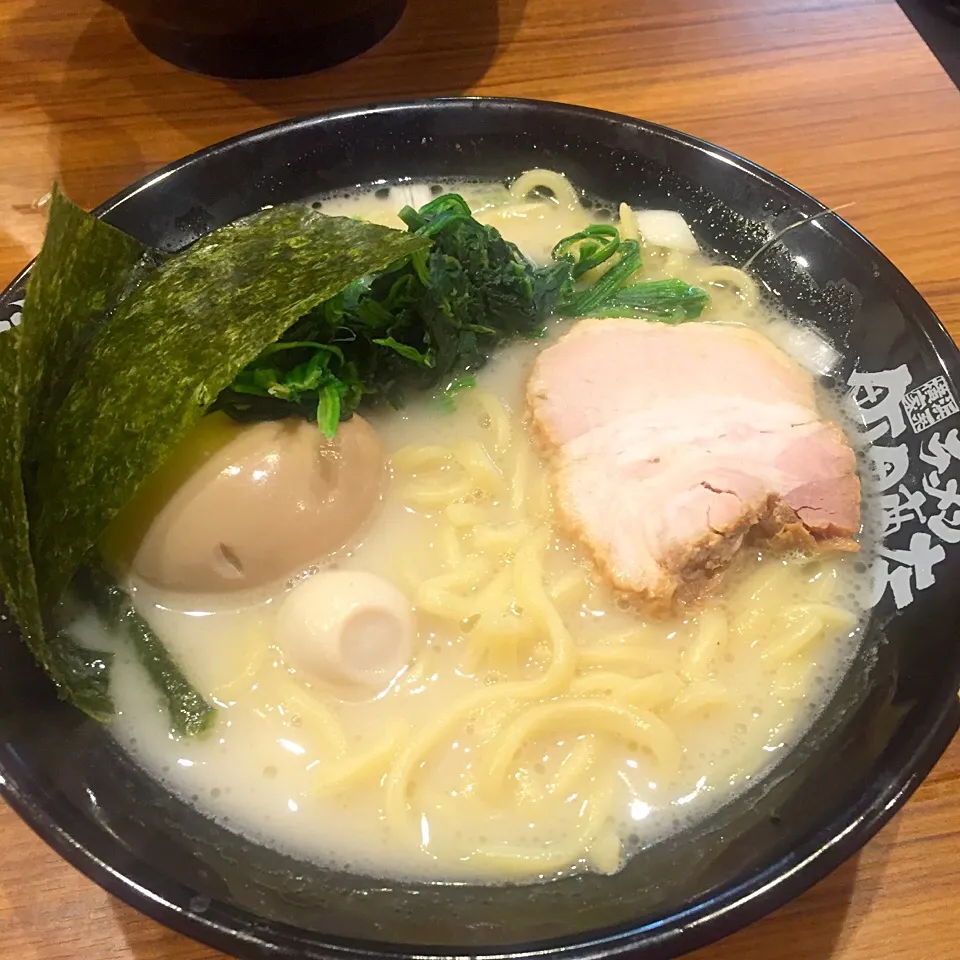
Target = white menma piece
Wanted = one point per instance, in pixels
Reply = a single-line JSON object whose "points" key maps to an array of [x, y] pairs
{"points": [[665, 228]]}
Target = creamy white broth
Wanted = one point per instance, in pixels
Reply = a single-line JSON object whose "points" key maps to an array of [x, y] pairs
{"points": [[573, 797]]}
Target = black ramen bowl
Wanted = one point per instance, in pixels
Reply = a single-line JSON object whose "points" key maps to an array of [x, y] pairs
{"points": [[889, 721]]}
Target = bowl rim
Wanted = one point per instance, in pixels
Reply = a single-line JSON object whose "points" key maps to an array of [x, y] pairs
{"points": [[699, 924]]}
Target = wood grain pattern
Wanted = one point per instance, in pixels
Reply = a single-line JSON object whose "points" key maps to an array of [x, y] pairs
{"points": [[839, 96]]}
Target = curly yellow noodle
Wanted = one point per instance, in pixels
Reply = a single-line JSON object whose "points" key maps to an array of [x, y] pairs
{"points": [[499, 631], [561, 188], [791, 681], [447, 604], [698, 659], [655, 692], [443, 597], [627, 723], [496, 641], [529, 792], [482, 470], [497, 624], [491, 717], [425, 666], [471, 569], [532, 597], [576, 765], [760, 598], [702, 695], [497, 596], [313, 712], [415, 457], [642, 660], [731, 277], [572, 588], [466, 514], [520, 480], [348, 774], [529, 579], [494, 216], [450, 548], [800, 625], [605, 853], [512, 861], [255, 659], [673, 262], [432, 495], [833, 616], [802, 632], [821, 582], [628, 223], [481, 473], [540, 499], [452, 606], [503, 659], [498, 419], [501, 537]]}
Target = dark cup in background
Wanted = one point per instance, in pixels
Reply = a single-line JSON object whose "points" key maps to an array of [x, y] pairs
{"points": [[259, 38]]}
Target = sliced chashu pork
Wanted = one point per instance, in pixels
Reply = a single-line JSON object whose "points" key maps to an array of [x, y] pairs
{"points": [[668, 445]]}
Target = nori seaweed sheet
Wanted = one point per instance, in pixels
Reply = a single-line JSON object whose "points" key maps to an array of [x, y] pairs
{"points": [[16, 565], [169, 348], [84, 267], [80, 675]]}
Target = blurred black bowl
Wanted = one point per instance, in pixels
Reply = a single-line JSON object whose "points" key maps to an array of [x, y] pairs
{"points": [[888, 723], [259, 38]]}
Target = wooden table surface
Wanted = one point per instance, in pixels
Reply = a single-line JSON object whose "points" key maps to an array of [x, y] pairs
{"points": [[839, 96]]}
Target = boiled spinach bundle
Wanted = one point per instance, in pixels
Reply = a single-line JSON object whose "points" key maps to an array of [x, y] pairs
{"points": [[425, 321]]}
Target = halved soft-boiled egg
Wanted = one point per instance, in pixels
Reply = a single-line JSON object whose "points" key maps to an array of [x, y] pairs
{"points": [[244, 506]]}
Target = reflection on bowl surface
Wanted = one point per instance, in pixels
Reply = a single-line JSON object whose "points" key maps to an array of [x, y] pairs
{"points": [[644, 768]]}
